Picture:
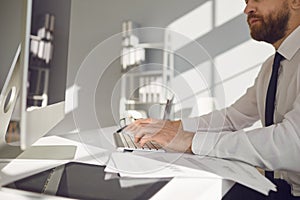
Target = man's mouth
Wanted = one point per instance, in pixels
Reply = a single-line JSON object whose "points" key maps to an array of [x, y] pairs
{"points": [[253, 20]]}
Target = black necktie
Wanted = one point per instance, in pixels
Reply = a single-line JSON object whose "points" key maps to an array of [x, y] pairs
{"points": [[270, 100]]}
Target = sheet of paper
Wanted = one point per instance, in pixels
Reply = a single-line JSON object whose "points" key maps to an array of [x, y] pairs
{"points": [[156, 165], [130, 165], [231, 170], [112, 173]]}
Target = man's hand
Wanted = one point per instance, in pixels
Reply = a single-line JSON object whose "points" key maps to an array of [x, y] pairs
{"points": [[168, 134]]}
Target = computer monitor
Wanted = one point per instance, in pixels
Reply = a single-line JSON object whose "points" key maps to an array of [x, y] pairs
{"points": [[36, 121]]}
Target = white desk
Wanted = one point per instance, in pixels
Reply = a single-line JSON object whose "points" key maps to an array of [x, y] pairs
{"points": [[94, 147]]}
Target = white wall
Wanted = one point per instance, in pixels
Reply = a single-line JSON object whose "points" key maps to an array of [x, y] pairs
{"points": [[219, 61], [95, 22]]}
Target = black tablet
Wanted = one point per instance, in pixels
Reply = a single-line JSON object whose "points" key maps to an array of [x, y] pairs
{"points": [[85, 181]]}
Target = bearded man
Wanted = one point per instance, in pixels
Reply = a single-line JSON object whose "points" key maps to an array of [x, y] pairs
{"points": [[274, 99]]}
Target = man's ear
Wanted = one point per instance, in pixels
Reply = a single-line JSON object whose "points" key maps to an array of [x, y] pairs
{"points": [[295, 4]]}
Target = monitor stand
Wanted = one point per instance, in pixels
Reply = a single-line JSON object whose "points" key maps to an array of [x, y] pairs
{"points": [[8, 152]]}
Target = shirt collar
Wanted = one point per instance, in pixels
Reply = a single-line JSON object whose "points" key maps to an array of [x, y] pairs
{"points": [[290, 45]]}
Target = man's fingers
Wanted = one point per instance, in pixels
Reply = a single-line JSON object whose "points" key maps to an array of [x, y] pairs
{"points": [[144, 137], [144, 129], [138, 136], [144, 140]]}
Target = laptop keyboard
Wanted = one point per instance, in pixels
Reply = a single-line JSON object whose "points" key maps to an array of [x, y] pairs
{"points": [[125, 142]]}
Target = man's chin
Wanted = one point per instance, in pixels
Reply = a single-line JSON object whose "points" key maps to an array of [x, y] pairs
{"points": [[256, 36]]}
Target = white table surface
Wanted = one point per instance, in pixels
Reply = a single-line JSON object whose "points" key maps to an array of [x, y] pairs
{"points": [[100, 143]]}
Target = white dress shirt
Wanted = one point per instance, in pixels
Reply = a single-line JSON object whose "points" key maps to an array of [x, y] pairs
{"points": [[276, 147]]}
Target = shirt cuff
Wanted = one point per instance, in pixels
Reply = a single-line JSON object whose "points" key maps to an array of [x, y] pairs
{"points": [[204, 142], [190, 124]]}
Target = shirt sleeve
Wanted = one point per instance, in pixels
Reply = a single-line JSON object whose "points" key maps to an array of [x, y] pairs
{"points": [[280, 152]]}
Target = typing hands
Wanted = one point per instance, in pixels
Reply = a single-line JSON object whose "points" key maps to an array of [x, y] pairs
{"points": [[168, 134]]}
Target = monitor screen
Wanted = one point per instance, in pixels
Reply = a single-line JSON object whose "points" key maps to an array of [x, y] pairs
{"points": [[34, 88]]}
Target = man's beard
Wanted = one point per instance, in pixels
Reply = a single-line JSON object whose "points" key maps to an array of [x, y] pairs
{"points": [[272, 28]]}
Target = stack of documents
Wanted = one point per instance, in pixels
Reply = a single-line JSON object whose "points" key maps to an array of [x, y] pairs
{"points": [[164, 165]]}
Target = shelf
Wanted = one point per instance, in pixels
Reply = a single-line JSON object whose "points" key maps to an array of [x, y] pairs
{"points": [[145, 73], [150, 45], [132, 102], [145, 88]]}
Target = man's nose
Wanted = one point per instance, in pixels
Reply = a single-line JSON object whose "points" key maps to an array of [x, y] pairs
{"points": [[250, 7]]}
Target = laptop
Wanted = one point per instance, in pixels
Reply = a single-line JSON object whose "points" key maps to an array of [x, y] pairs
{"points": [[125, 141]]}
